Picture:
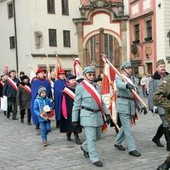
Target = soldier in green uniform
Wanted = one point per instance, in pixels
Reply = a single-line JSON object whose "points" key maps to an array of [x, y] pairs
{"points": [[161, 98]]}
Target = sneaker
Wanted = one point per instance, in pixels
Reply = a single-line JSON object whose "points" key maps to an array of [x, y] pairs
{"points": [[45, 143]]}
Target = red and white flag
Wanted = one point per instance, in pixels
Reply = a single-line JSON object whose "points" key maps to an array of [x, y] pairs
{"points": [[6, 69], [77, 69], [108, 90], [58, 67]]}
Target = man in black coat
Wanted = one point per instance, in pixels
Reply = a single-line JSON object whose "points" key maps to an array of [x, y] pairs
{"points": [[10, 90]]}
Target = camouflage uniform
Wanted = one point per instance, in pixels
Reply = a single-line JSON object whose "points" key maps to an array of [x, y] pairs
{"points": [[161, 98]]}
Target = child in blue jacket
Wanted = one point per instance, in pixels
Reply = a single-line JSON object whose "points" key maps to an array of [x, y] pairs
{"points": [[42, 108]]}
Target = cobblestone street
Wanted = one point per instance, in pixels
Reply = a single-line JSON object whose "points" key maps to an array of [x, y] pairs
{"points": [[21, 148]]}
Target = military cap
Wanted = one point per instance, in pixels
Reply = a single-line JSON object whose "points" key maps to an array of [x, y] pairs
{"points": [[126, 64], [89, 69], [71, 76]]}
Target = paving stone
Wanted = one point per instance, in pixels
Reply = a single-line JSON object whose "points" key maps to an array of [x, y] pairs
{"points": [[21, 148]]}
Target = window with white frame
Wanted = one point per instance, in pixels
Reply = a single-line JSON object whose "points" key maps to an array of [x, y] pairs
{"points": [[52, 37], [51, 6], [66, 38], [64, 6], [12, 42], [10, 10]]}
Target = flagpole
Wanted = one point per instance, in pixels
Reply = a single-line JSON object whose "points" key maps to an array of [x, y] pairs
{"points": [[119, 74], [32, 68]]}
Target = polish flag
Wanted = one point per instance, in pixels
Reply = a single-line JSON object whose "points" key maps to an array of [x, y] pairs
{"points": [[77, 69], [108, 90]]}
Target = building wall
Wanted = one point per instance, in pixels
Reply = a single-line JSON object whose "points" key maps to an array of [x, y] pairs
{"points": [[139, 12], [7, 55], [163, 27], [32, 16]]}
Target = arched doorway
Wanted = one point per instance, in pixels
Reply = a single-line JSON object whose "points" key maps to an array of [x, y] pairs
{"points": [[102, 43]]}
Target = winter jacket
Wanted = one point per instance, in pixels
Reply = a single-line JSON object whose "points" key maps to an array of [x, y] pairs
{"points": [[8, 89], [39, 104], [154, 82], [23, 97]]}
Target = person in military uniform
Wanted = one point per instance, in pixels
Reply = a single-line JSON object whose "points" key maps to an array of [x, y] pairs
{"points": [[91, 113], [125, 107], [154, 82], [161, 98]]}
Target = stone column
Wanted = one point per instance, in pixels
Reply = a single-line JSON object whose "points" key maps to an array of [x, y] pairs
{"points": [[81, 51], [123, 49]]}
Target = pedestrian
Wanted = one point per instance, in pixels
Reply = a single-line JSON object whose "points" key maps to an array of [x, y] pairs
{"points": [[40, 80], [2, 82], [148, 77], [88, 102], [42, 108], [24, 98], [21, 74], [10, 90], [59, 85], [154, 82], [126, 108], [66, 116], [161, 98], [143, 85]]}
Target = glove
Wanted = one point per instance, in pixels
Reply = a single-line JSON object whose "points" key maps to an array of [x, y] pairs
{"points": [[144, 110], [75, 123], [108, 119], [130, 86], [155, 109]]}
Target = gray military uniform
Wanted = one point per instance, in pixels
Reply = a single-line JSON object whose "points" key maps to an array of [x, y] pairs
{"points": [[91, 121], [125, 107]]}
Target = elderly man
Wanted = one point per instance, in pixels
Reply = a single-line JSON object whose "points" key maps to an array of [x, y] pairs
{"points": [[88, 102], [125, 106], [161, 98], [154, 82]]}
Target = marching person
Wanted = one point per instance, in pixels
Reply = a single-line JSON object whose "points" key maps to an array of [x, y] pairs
{"points": [[161, 98], [42, 108], [40, 80], [23, 98], [154, 82], [125, 107], [89, 104], [66, 116], [10, 90], [59, 85]]}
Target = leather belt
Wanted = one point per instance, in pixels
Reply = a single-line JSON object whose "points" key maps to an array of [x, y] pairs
{"points": [[124, 97], [91, 110]]}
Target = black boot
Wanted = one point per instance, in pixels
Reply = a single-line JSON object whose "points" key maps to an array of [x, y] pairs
{"points": [[77, 140], [58, 124], [68, 136], [167, 137], [164, 166], [156, 138]]}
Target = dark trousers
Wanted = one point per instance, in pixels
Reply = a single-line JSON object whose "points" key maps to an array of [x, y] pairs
{"points": [[12, 107], [22, 113]]}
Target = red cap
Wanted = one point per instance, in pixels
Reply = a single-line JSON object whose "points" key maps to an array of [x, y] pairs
{"points": [[39, 70], [61, 72]]}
